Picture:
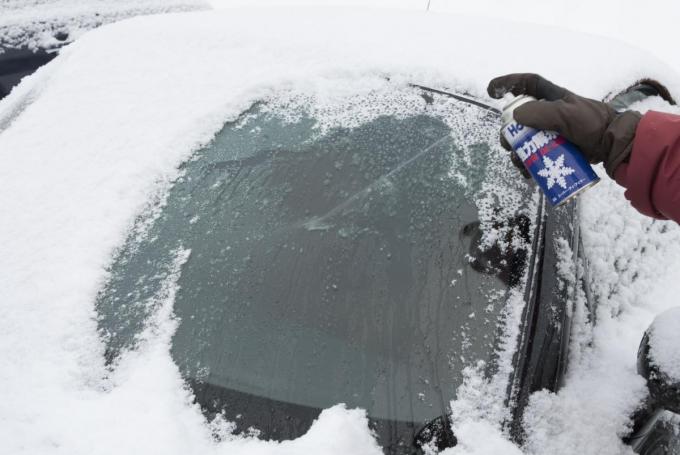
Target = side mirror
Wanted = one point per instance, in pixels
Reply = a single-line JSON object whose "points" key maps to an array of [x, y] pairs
{"points": [[659, 360]]}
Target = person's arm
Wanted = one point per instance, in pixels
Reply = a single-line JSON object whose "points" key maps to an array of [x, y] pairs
{"points": [[640, 153], [651, 174]]}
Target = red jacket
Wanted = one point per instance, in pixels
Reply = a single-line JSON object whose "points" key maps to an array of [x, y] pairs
{"points": [[652, 174]]}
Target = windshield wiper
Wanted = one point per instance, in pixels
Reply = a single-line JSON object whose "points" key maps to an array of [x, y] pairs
{"points": [[465, 99]]}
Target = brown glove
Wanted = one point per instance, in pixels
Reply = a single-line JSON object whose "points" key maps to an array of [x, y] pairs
{"points": [[602, 134]]}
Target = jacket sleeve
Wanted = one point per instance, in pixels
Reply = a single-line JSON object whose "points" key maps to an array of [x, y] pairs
{"points": [[652, 174]]}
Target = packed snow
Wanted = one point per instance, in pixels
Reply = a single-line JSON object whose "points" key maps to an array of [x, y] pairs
{"points": [[89, 139]]}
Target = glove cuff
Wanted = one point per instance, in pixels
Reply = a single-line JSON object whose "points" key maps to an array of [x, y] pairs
{"points": [[619, 139]]}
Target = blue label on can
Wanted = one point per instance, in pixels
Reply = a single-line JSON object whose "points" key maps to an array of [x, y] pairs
{"points": [[556, 164]]}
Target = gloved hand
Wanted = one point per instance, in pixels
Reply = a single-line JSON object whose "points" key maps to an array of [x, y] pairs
{"points": [[602, 134]]}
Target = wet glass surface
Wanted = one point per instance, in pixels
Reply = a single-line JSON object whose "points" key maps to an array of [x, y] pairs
{"points": [[324, 268]]}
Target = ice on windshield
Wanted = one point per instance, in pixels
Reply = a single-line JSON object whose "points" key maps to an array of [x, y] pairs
{"points": [[360, 255]]}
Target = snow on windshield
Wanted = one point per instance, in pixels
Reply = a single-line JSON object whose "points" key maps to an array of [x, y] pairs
{"points": [[349, 106], [102, 131]]}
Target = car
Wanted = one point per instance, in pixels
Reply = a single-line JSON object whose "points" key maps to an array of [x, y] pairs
{"points": [[32, 34], [361, 241]]}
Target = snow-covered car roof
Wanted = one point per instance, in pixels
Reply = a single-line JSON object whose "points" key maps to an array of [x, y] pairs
{"points": [[88, 138], [48, 23]]}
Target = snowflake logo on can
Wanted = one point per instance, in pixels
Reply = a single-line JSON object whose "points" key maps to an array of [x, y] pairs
{"points": [[555, 171]]}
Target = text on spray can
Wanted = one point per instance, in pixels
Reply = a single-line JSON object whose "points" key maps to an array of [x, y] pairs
{"points": [[557, 166]]}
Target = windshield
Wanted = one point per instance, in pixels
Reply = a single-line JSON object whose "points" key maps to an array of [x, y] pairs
{"points": [[327, 264]]}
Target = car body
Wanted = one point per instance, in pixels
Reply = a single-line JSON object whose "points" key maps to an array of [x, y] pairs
{"points": [[386, 189]]}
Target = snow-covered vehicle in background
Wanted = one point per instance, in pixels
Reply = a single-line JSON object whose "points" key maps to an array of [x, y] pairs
{"points": [[32, 32], [287, 222]]}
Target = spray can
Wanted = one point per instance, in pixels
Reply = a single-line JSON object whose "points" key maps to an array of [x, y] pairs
{"points": [[557, 166]]}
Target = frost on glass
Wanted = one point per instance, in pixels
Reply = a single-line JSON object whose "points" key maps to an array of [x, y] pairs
{"points": [[348, 255]]}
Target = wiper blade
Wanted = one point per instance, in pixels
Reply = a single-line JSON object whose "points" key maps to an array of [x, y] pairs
{"points": [[465, 99]]}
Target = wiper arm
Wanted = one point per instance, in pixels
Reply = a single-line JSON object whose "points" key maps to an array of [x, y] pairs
{"points": [[462, 98]]}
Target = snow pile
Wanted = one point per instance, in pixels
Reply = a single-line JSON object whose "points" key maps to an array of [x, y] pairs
{"points": [[648, 26], [633, 22], [634, 271], [664, 339], [87, 140], [479, 437], [49, 23]]}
